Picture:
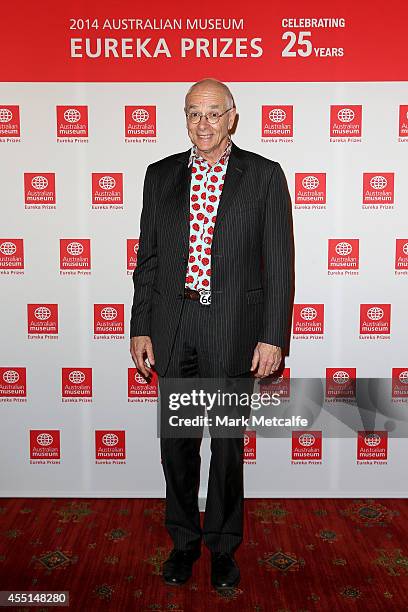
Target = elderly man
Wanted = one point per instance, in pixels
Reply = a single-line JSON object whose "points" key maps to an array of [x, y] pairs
{"points": [[212, 298]]}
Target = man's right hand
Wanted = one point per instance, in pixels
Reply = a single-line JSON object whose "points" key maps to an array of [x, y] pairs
{"points": [[140, 347]]}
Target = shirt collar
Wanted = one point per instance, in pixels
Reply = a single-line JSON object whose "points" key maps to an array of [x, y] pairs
{"points": [[194, 155]]}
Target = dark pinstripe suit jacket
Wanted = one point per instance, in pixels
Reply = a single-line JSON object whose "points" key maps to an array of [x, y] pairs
{"points": [[251, 258]]}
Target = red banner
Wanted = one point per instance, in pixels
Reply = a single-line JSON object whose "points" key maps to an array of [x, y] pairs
{"points": [[93, 41]]}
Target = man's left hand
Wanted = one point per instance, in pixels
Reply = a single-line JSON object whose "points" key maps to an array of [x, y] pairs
{"points": [[266, 359]]}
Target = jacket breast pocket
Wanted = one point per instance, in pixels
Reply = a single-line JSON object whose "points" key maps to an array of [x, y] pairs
{"points": [[255, 296], [156, 296], [248, 208]]}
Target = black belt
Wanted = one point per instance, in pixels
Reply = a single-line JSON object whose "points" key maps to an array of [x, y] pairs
{"points": [[203, 296]]}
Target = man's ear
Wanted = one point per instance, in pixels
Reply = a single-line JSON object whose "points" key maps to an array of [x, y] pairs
{"points": [[232, 116]]}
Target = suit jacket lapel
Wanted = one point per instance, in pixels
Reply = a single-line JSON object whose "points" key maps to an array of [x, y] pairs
{"points": [[182, 177], [233, 175]]}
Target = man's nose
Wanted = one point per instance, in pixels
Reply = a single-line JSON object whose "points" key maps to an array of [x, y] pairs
{"points": [[203, 117]]}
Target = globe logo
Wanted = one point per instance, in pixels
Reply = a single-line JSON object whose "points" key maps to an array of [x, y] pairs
{"points": [[72, 115], [8, 248], [5, 115], [11, 377], [372, 439], [109, 313], [307, 439], [75, 248], [110, 439], [42, 313], [341, 377], [405, 248], [45, 439], [136, 248], [345, 115], [375, 313], [403, 377], [76, 377], [140, 379], [276, 381], [107, 182], [310, 182], [378, 182], [343, 248], [39, 182], [277, 115], [308, 313], [246, 439], [140, 115]]}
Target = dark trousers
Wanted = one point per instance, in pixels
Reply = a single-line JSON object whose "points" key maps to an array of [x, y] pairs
{"points": [[195, 354]]}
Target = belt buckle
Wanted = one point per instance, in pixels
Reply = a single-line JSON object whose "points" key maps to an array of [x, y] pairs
{"points": [[205, 297]]}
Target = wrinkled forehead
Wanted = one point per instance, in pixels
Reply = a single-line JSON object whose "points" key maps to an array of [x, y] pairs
{"points": [[208, 97]]}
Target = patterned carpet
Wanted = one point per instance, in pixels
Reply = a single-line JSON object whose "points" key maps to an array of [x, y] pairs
{"points": [[298, 555]]}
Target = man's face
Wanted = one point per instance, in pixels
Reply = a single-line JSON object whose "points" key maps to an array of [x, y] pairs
{"points": [[209, 138]]}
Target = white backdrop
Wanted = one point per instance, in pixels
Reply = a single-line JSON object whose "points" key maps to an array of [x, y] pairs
{"points": [[311, 151]]}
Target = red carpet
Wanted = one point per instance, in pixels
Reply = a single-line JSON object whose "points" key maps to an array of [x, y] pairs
{"points": [[297, 556]]}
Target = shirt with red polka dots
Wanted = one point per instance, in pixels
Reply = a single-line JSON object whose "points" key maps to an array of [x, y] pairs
{"points": [[206, 186]]}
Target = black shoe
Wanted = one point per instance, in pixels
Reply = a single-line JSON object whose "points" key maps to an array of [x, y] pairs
{"points": [[178, 566], [224, 570]]}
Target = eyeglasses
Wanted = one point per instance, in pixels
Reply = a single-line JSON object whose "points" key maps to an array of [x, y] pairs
{"points": [[212, 116]]}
